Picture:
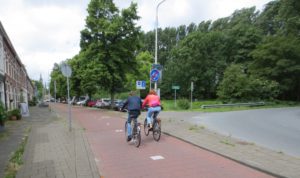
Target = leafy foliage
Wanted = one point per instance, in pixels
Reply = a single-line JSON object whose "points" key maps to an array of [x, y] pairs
{"points": [[238, 85], [108, 45], [3, 114], [183, 104], [249, 55]]}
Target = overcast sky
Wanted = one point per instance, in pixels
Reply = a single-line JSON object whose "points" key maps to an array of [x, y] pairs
{"points": [[47, 31]]}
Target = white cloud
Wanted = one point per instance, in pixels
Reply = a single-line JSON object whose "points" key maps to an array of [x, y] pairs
{"points": [[44, 32]]}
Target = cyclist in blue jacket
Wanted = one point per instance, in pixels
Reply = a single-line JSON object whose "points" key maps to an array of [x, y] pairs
{"points": [[134, 105]]}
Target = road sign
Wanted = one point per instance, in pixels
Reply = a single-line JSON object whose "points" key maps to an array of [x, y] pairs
{"points": [[154, 75], [140, 85], [175, 87], [66, 70], [157, 66]]}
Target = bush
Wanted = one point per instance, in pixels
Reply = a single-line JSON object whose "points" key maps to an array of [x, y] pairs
{"points": [[183, 104], [3, 114], [33, 102], [240, 86], [15, 112]]}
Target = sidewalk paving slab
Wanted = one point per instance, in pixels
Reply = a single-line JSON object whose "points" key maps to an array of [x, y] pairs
{"points": [[53, 151]]}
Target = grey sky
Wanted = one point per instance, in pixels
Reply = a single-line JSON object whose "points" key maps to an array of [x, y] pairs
{"points": [[48, 31]]}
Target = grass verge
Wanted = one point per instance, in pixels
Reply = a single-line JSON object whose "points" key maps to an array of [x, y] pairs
{"points": [[16, 159], [169, 105]]}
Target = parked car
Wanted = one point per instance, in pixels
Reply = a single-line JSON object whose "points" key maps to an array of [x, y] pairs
{"points": [[82, 100], [120, 105], [117, 102], [91, 103], [102, 103]]}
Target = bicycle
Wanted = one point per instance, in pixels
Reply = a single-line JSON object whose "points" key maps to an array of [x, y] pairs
{"points": [[156, 127], [136, 130]]}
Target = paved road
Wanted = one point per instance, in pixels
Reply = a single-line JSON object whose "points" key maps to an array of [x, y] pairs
{"points": [[277, 129], [169, 157]]}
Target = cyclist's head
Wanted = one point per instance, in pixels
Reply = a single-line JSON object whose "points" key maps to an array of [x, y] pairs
{"points": [[132, 93], [152, 92]]}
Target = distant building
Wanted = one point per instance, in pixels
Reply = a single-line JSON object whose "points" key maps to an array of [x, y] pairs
{"points": [[15, 85]]}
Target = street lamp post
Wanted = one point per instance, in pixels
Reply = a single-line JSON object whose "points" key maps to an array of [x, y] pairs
{"points": [[156, 24]]}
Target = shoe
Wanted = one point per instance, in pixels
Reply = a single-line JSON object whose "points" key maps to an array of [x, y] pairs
{"points": [[129, 138]]}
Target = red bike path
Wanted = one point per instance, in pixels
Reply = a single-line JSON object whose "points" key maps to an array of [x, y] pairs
{"points": [[170, 157]]}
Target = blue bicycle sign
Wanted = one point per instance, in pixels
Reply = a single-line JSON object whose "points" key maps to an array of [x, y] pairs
{"points": [[154, 75]]}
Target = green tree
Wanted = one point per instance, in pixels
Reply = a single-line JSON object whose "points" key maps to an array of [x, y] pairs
{"points": [[198, 58], [238, 85], [40, 88], [278, 58], [109, 44], [60, 82], [144, 61]]}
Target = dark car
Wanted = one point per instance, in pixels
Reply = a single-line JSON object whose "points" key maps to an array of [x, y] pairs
{"points": [[119, 106]]}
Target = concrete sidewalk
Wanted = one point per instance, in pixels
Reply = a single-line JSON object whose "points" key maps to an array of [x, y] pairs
{"points": [[53, 151]]}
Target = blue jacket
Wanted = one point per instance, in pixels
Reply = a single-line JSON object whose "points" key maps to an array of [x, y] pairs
{"points": [[133, 102]]}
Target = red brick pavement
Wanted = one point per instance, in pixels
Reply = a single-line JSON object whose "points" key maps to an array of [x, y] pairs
{"points": [[117, 158]]}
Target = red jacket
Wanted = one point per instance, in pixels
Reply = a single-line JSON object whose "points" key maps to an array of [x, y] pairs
{"points": [[151, 100]]}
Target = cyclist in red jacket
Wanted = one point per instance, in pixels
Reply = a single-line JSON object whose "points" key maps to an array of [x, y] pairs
{"points": [[154, 105]]}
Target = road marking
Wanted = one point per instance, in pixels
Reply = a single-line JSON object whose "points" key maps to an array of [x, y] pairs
{"points": [[197, 117], [158, 157], [119, 130], [105, 117], [96, 160], [107, 123]]}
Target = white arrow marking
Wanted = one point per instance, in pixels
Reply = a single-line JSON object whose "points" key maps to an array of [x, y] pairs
{"points": [[158, 157]]}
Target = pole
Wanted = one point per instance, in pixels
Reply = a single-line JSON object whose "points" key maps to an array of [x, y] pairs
{"points": [[156, 24], [69, 106], [175, 98], [55, 91], [49, 93], [192, 88]]}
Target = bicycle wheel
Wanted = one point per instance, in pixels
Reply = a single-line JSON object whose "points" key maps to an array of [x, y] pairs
{"points": [[146, 129], [156, 131], [137, 139], [125, 130]]}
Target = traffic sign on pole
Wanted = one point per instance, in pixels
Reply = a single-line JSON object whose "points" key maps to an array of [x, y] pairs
{"points": [[140, 85], [175, 87], [66, 70], [154, 75]]}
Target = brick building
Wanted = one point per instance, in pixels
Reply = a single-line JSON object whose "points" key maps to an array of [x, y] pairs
{"points": [[15, 85]]}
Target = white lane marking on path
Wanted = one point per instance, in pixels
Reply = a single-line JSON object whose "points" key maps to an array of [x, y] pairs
{"points": [[119, 130], [107, 124], [197, 117], [105, 117], [96, 160], [158, 157]]}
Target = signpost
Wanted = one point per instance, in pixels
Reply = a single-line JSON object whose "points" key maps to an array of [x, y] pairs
{"points": [[155, 74], [67, 72], [192, 89], [174, 87]]}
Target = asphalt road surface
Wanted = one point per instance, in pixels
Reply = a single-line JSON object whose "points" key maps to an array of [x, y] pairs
{"points": [[277, 129]]}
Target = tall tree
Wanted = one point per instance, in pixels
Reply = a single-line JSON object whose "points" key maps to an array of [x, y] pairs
{"points": [[61, 82], [198, 58], [109, 43]]}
